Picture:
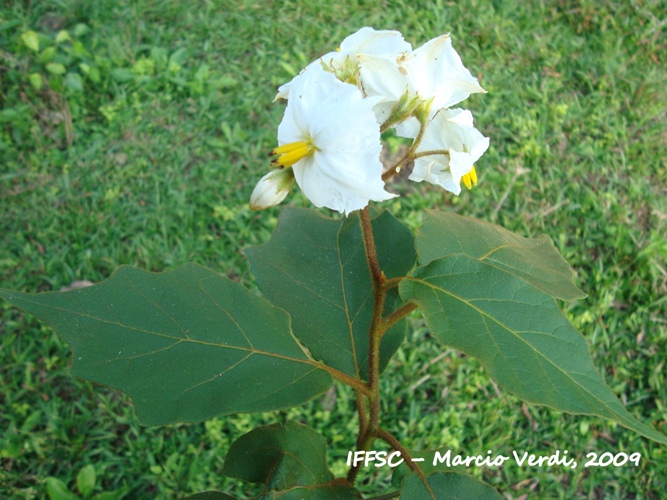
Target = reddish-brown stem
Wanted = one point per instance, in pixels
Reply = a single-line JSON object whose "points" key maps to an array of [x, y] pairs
{"points": [[355, 383], [369, 245], [393, 282], [405, 454], [431, 153], [396, 316], [369, 427], [410, 155], [363, 444], [395, 168], [387, 496], [362, 410], [374, 334]]}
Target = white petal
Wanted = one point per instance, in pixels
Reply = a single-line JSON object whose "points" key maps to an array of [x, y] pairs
{"points": [[408, 129], [369, 41], [450, 130], [344, 172], [365, 41], [383, 76], [436, 70]]}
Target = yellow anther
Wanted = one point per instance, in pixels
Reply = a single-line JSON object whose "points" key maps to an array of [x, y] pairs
{"points": [[470, 178], [289, 154]]}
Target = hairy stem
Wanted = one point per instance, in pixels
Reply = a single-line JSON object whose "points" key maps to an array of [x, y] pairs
{"points": [[396, 316], [367, 426], [362, 410], [405, 454], [431, 153], [375, 333], [387, 496], [363, 444], [355, 383], [409, 156]]}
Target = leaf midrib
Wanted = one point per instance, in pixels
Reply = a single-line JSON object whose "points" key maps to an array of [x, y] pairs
{"points": [[486, 315], [178, 340]]}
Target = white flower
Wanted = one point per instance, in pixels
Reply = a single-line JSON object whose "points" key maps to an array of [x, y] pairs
{"points": [[344, 61], [330, 138], [271, 189], [433, 71], [451, 131]]}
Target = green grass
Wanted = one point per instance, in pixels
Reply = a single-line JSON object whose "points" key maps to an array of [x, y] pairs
{"points": [[152, 165]]}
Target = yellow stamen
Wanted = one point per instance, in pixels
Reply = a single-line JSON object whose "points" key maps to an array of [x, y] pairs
{"points": [[473, 175], [289, 154], [470, 178]]}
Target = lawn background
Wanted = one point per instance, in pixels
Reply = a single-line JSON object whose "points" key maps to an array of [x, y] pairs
{"points": [[159, 125]]}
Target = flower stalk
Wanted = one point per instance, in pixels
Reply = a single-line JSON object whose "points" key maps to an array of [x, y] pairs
{"points": [[369, 415]]}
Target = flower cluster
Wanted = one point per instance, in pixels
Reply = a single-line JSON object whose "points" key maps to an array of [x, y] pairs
{"points": [[337, 107]]}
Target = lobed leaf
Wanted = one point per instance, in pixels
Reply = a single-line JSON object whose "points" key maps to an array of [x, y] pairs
{"points": [[315, 268], [534, 260], [185, 345], [519, 335]]}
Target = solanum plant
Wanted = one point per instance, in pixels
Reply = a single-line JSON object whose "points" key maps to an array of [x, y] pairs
{"points": [[189, 344]]}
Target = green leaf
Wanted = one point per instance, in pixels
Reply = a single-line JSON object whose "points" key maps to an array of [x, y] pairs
{"points": [[447, 486], [179, 57], [57, 490], [519, 335], [186, 345], [85, 480], [74, 82], [63, 36], [31, 40], [280, 456], [286, 458], [122, 74], [80, 30], [338, 489], [535, 260], [315, 268], [203, 72], [35, 80], [56, 68], [429, 466], [47, 55]]}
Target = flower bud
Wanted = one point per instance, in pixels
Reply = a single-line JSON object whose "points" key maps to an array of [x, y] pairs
{"points": [[402, 110], [271, 189]]}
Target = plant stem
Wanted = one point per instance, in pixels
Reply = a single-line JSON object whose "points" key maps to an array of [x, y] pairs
{"points": [[355, 383], [393, 282], [405, 454], [367, 426], [363, 444], [362, 409], [396, 316], [369, 245], [430, 153], [387, 496], [410, 155], [374, 334]]}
